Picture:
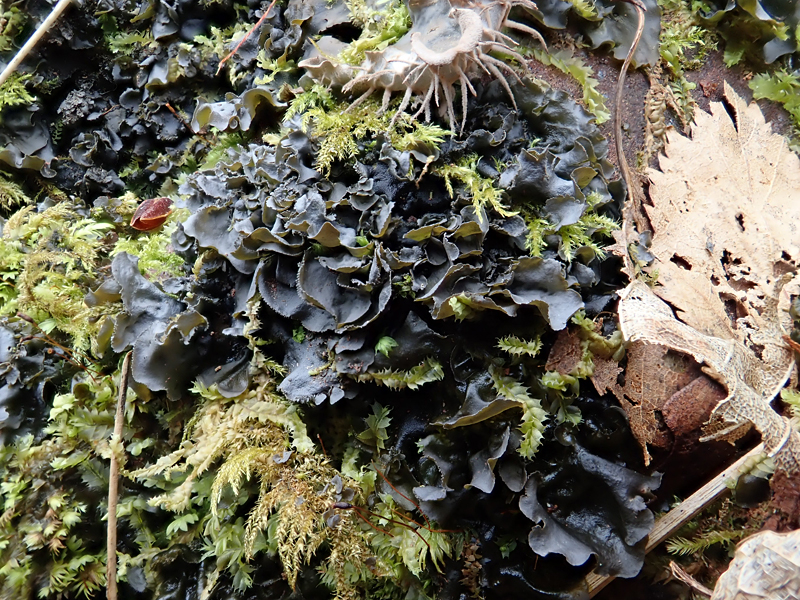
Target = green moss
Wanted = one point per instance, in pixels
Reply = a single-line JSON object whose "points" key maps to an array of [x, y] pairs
{"points": [[11, 194], [429, 371], [129, 43], [317, 97], [219, 149], [385, 345], [381, 27], [340, 129], [480, 190], [515, 346], [375, 434], [157, 261], [585, 8], [683, 46], [45, 487], [533, 415], [12, 22], [48, 262], [792, 398], [573, 66], [462, 307], [784, 88], [572, 237], [273, 67], [14, 91]]}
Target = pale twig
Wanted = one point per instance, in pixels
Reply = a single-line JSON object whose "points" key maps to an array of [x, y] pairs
{"points": [[34, 39], [247, 35], [630, 207], [681, 575], [113, 484]]}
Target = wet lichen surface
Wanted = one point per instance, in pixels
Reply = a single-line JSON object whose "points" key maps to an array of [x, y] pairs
{"points": [[340, 259]]}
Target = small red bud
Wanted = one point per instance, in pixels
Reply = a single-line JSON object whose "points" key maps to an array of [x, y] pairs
{"points": [[151, 214]]}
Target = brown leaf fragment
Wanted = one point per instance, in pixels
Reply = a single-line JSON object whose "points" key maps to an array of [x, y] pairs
{"points": [[751, 383], [725, 216], [565, 354], [691, 406], [652, 376], [785, 501], [606, 373], [684, 414]]}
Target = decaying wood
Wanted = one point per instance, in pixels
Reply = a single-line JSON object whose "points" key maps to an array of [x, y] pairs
{"points": [[668, 524]]}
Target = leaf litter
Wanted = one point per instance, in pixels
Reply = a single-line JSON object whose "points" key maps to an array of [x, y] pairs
{"points": [[728, 279]]}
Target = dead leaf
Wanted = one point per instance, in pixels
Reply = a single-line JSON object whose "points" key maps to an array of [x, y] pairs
{"points": [[606, 373], [688, 408], [725, 218], [566, 353], [652, 376]]}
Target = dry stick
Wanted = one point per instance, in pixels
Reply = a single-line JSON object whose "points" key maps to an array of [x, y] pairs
{"points": [[247, 35], [113, 485], [34, 39], [681, 575], [668, 524], [629, 208]]}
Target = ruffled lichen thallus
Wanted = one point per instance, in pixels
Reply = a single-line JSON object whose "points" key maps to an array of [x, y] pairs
{"points": [[340, 313], [447, 44]]}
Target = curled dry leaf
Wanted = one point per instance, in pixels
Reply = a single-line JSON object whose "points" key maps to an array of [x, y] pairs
{"points": [[151, 213], [725, 215]]}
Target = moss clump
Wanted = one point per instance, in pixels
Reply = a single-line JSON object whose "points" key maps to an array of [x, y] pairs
{"points": [[571, 237], [14, 91], [784, 88], [481, 191], [49, 261], [343, 132], [571, 65], [381, 28]]}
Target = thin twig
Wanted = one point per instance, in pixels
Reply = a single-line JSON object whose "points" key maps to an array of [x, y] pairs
{"points": [[184, 122], [681, 575], [113, 484], [247, 35], [630, 207], [34, 39]]}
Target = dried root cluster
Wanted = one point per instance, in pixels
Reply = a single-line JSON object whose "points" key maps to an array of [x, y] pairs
{"points": [[449, 43]]}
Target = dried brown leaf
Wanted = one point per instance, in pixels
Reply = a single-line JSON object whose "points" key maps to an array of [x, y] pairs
{"points": [[566, 353], [725, 217], [652, 376], [606, 373], [688, 408]]}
